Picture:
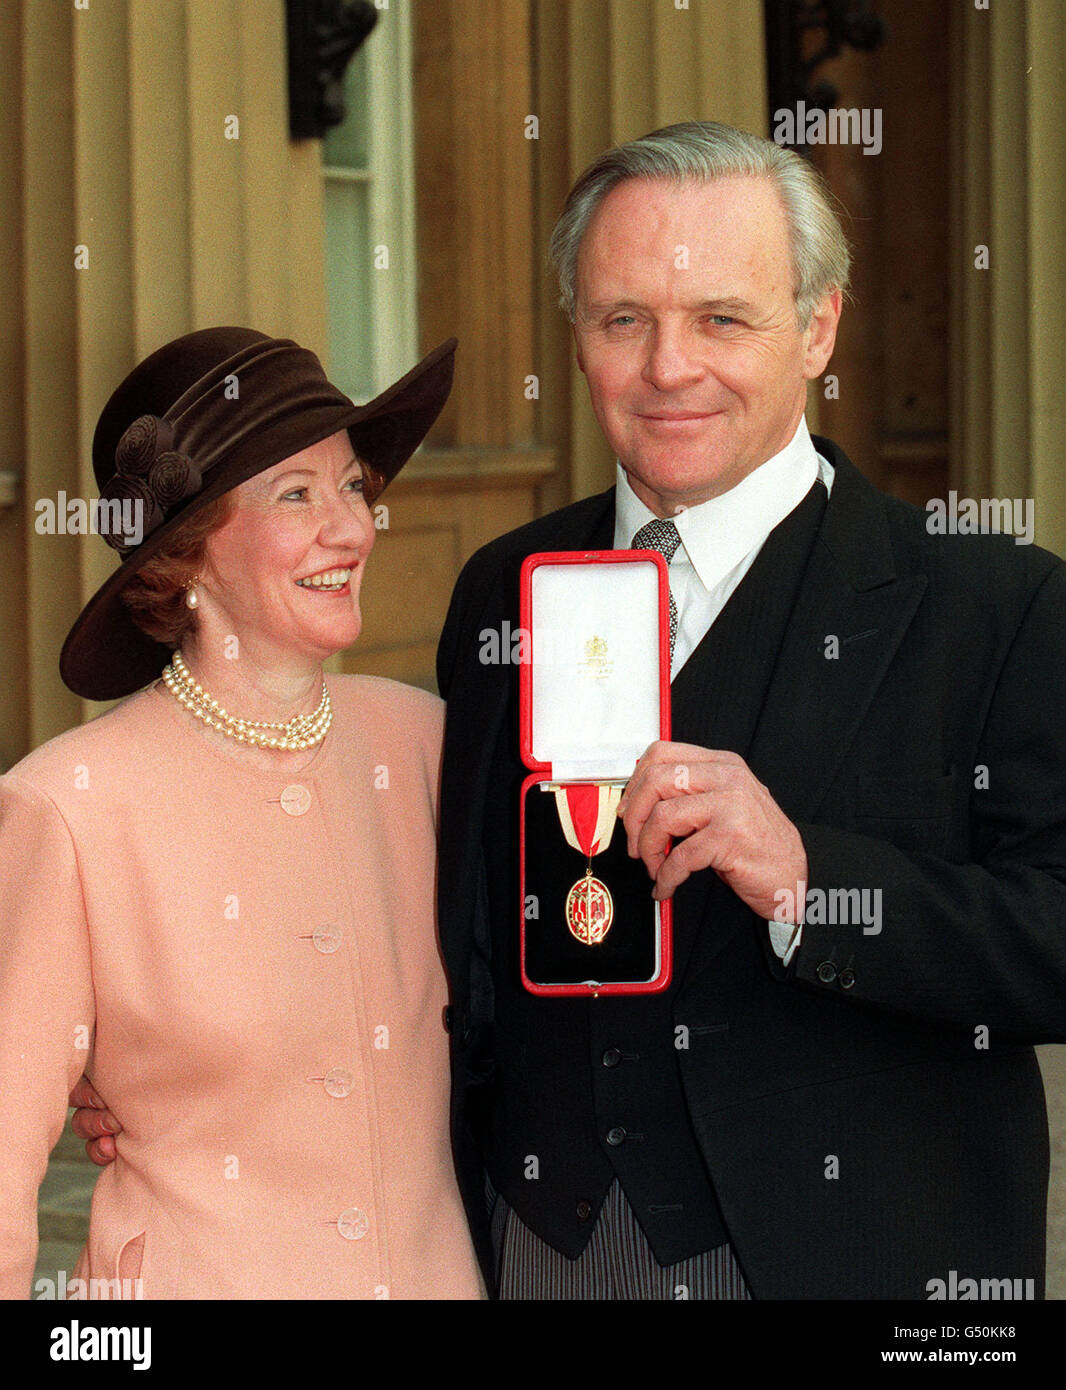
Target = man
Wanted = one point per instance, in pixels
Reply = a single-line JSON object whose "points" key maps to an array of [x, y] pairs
{"points": [[868, 717], [825, 1103]]}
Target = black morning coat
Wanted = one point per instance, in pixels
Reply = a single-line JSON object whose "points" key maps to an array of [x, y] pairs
{"points": [[872, 1117]]}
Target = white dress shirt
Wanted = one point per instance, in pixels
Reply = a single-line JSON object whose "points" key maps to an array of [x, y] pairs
{"points": [[720, 539]]}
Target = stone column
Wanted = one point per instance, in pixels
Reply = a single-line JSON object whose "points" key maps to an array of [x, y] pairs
{"points": [[1008, 233]]}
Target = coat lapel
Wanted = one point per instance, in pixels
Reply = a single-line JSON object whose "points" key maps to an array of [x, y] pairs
{"points": [[815, 702], [849, 619], [720, 692]]}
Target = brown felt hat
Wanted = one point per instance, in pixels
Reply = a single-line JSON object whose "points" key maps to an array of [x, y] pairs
{"points": [[196, 418]]}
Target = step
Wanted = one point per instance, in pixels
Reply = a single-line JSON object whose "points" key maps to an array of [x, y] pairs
{"points": [[71, 1149], [63, 1201]]}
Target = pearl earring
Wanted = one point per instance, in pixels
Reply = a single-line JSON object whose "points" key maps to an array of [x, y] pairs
{"points": [[192, 598]]}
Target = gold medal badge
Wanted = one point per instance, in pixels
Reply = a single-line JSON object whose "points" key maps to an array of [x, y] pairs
{"points": [[589, 910], [587, 815]]}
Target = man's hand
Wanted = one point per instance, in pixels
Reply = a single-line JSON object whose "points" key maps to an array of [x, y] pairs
{"points": [[720, 817], [93, 1121]]}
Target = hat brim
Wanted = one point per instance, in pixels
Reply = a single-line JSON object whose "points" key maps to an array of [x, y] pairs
{"points": [[107, 656]]}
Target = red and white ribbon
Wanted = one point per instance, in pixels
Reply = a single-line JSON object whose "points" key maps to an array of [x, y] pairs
{"points": [[587, 814]]}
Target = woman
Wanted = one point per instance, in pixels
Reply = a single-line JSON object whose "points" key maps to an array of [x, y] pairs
{"points": [[217, 898]]}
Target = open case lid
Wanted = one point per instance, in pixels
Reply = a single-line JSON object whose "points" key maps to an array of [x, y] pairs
{"points": [[594, 687]]}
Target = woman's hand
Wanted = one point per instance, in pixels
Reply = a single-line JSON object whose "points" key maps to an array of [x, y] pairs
{"points": [[94, 1122]]}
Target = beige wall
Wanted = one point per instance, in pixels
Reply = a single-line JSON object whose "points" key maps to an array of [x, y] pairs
{"points": [[115, 140], [591, 73], [1008, 343], [117, 143], [608, 71]]}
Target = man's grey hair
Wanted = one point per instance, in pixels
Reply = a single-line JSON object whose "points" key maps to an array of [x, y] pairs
{"points": [[701, 151]]}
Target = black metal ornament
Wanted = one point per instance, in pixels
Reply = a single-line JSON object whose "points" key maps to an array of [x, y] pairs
{"points": [[323, 36], [790, 63]]}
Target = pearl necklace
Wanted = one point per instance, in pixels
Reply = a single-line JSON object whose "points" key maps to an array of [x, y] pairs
{"points": [[300, 732]]}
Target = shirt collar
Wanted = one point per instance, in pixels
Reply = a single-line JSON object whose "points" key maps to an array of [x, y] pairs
{"points": [[719, 533]]}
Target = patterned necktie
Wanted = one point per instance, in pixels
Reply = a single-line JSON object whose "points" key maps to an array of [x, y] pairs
{"points": [[661, 536]]}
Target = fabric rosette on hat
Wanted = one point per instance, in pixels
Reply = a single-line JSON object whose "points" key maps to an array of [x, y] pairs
{"points": [[151, 474], [194, 420]]}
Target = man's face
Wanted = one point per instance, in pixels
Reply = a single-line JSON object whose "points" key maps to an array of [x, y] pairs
{"points": [[686, 331]]}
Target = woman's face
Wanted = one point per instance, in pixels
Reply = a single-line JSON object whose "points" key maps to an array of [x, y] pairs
{"points": [[284, 572]]}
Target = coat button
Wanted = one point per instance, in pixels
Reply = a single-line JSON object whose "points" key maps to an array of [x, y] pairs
{"points": [[584, 1210], [616, 1136], [449, 1018], [295, 800], [338, 1082], [826, 972], [846, 978], [326, 940], [352, 1224], [611, 1057]]}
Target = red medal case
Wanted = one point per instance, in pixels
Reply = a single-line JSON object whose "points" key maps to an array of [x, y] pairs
{"points": [[594, 692]]}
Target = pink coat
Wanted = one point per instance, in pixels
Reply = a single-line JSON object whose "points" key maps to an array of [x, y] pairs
{"points": [[246, 966]]}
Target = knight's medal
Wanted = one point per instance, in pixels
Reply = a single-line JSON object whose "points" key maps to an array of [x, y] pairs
{"points": [[587, 815], [589, 910]]}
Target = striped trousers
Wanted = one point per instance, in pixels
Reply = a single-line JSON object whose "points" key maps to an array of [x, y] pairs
{"points": [[617, 1263]]}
